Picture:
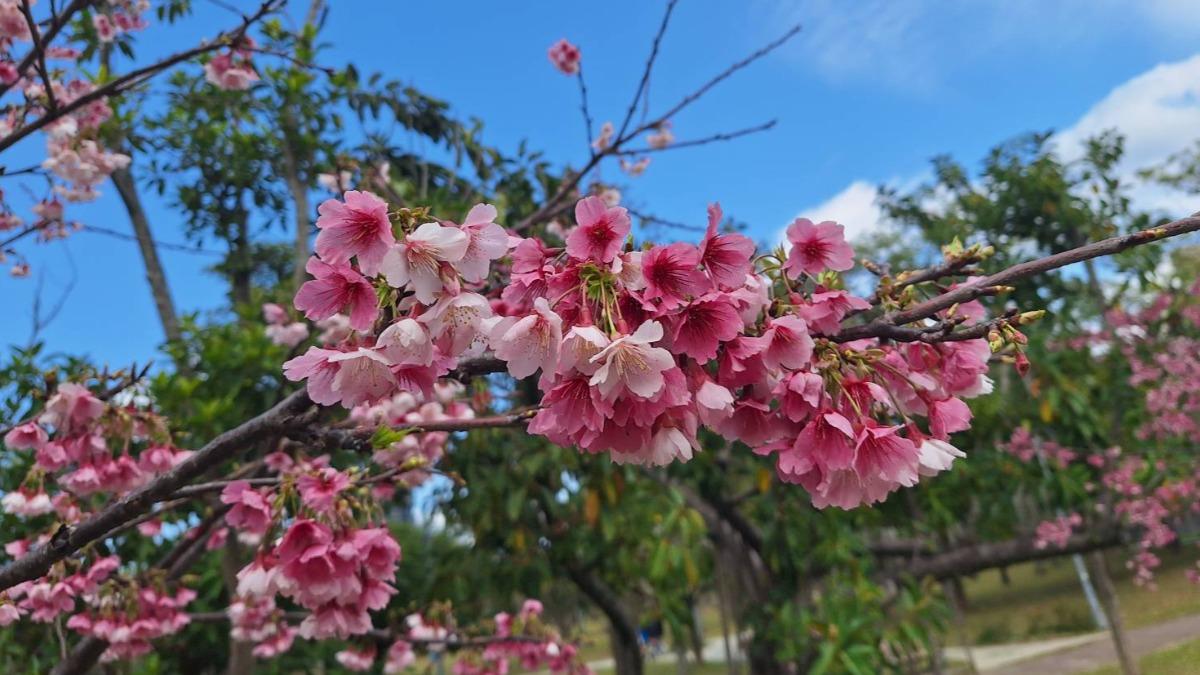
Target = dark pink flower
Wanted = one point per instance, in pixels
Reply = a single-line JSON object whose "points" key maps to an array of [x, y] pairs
{"points": [[601, 231], [335, 288], [816, 248], [702, 325], [672, 274], [726, 257], [564, 56], [319, 490], [251, 509]]}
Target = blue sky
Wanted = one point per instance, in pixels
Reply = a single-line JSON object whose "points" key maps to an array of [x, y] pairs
{"points": [[866, 94]]}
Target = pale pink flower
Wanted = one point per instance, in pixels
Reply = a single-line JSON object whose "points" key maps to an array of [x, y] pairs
{"points": [[406, 342], [662, 136], [631, 363], [635, 169], [316, 367], [273, 313], [457, 322], [487, 241], [27, 436], [418, 258], [672, 274], [601, 232], [579, 345], [936, 456], [287, 335], [363, 376], [816, 248], [357, 227], [9, 614], [226, 73], [605, 138], [564, 56], [357, 660], [399, 657], [27, 503], [71, 409], [335, 288], [105, 30], [532, 342]]}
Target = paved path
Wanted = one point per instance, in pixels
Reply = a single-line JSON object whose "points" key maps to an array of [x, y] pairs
{"points": [[1098, 651]]}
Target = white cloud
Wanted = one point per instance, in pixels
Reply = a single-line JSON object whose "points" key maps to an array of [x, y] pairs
{"points": [[915, 45], [853, 207]]}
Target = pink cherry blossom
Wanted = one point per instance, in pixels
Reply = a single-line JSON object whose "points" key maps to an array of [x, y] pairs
{"points": [[319, 490], [816, 248], [71, 409], [417, 259], [631, 364], [725, 257], [357, 227], [27, 436], [673, 275], [786, 343], [601, 231], [356, 660], [703, 324], [251, 509], [316, 367], [363, 376], [335, 288], [406, 342], [564, 56], [530, 343], [487, 241]]}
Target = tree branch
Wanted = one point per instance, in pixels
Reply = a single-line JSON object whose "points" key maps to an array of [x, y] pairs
{"points": [[68, 540], [967, 292]]}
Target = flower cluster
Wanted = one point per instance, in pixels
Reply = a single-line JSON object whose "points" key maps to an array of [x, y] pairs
{"points": [[565, 57], [232, 69], [637, 349], [1056, 532], [280, 329]]}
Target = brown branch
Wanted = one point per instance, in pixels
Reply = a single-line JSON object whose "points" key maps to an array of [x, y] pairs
{"points": [[39, 49], [52, 32], [68, 540], [967, 292], [135, 77], [645, 81], [974, 558], [694, 96], [724, 136]]}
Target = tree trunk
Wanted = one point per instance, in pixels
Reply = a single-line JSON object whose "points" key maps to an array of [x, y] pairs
{"points": [[241, 267], [1112, 607], [627, 653], [241, 660], [127, 188], [300, 204], [695, 635]]}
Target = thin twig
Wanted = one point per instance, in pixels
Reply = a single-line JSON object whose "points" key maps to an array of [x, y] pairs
{"points": [[723, 136], [645, 81]]}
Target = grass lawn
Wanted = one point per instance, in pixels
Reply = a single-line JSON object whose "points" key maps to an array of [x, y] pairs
{"points": [[667, 666], [1046, 600], [1181, 659]]}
